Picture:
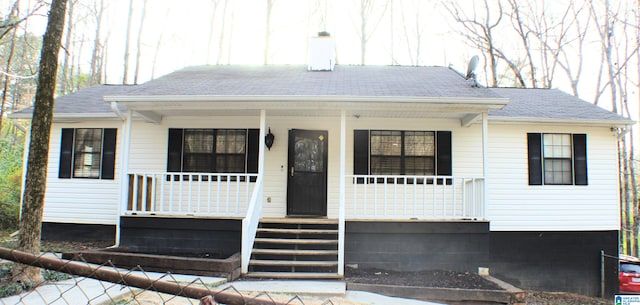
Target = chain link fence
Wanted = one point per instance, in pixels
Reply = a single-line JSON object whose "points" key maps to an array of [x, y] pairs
{"points": [[77, 282]]}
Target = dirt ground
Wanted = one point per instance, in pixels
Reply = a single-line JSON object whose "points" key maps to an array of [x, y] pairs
{"points": [[435, 278], [440, 279], [461, 280]]}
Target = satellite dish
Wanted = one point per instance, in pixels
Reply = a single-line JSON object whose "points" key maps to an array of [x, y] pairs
{"points": [[471, 69]]}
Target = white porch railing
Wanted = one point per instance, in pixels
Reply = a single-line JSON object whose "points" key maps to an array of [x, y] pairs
{"points": [[414, 197], [198, 194], [250, 225]]}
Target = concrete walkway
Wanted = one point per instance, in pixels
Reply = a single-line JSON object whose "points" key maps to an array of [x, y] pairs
{"points": [[89, 291]]}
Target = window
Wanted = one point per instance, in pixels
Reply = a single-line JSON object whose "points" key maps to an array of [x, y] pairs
{"points": [[557, 159], [384, 152], [213, 150], [87, 153], [402, 152]]}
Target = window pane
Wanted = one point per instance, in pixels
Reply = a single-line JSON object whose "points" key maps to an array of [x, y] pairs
{"points": [[557, 171], [557, 146], [419, 143], [87, 153], [198, 141], [309, 154], [386, 143], [231, 141], [385, 165], [419, 166], [230, 163]]}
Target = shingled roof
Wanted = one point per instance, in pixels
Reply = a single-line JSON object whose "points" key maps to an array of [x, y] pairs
{"points": [[295, 80], [550, 104], [344, 81]]}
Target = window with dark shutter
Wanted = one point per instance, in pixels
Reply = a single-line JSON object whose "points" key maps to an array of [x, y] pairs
{"points": [[109, 153], [534, 142], [66, 153], [213, 150], [398, 152], [87, 153], [580, 159], [557, 159]]}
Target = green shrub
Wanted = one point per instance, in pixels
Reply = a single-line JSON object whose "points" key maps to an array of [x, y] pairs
{"points": [[11, 148]]}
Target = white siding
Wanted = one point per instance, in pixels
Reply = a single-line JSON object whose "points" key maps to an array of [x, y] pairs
{"points": [[514, 205], [149, 148], [77, 200]]}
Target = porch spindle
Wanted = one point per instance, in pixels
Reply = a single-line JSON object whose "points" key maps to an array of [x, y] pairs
{"points": [[228, 195], [453, 195], [162, 182], [375, 197], [218, 182], [237, 193], [209, 203]]}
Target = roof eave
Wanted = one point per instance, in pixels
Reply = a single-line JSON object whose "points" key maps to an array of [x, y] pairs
{"points": [[546, 121], [490, 103], [64, 117]]}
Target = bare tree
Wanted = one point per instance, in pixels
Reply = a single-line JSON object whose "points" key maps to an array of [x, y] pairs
{"points": [[213, 10], [517, 20], [413, 29], [6, 26], [66, 75], [7, 77], [36, 176], [222, 32], [139, 42], [371, 16], [479, 31], [159, 44], [267, 31], [98, 48], [125, 75]]}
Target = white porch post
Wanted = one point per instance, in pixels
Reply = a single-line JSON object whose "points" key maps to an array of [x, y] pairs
{"points": [[263, 133], [254, 209], [485, 161], [341, 212], [124, 170]]}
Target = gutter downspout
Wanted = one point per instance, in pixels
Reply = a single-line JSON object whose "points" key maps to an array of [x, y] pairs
{"points": [[114, 108]]}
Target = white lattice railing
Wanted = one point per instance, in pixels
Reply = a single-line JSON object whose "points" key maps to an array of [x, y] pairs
{"points": [[414, 197], [197, 194]]}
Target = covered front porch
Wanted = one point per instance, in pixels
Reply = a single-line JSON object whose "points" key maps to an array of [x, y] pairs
{"points": [[458, 196]]}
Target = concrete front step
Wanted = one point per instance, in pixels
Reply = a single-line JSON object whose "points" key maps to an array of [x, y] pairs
{"points": [[296, 231], [299, 221], [294, 252], [288, 241], [283, 263], [294, 275]]}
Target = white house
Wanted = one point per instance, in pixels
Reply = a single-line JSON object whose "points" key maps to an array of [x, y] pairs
{"points": [[391, 167]]}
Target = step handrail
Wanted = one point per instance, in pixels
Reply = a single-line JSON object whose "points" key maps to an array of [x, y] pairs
{"points": [[250, 224]]}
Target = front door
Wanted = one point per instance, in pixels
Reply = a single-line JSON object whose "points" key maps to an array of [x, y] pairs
{"points": [[307, 182]]}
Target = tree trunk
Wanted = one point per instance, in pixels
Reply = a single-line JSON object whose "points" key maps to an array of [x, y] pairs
{"points": [[96, 61], [125, 74], [139, 43], [66, 75], [33, 200], [5, 88], [267, 31], [222, 33]]}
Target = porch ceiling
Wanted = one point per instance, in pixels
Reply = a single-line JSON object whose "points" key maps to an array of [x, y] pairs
{"points": [[155, 108], [308, 113]]}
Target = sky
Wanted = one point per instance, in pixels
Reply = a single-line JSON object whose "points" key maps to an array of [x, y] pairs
{"points": [[183, 29]]}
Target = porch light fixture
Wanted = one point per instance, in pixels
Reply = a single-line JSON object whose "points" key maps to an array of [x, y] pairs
{"points": [[268, 139]]}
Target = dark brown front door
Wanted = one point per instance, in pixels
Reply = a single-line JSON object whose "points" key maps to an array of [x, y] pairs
{"points": [[307, 183]]}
